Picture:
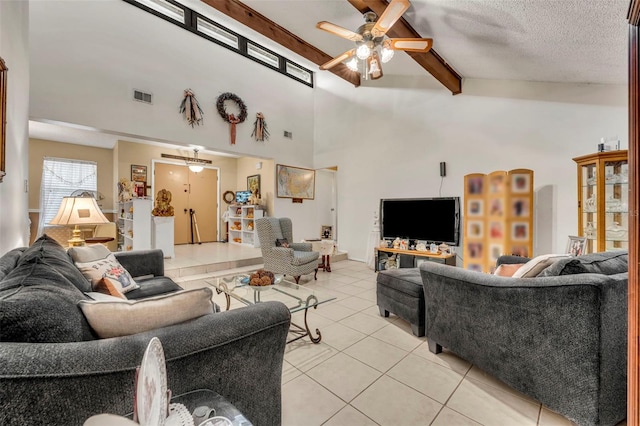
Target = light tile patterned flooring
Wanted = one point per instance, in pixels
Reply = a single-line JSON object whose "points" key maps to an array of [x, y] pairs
{"points": [[370, 370]]}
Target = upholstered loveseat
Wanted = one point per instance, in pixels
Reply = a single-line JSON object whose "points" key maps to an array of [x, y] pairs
{"points": [[560, 338], [55, 371]]}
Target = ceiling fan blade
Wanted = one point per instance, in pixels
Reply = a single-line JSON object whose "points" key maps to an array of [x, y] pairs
{"points": [[411, 44], [338, 30], [391, 14], [335, 61]]}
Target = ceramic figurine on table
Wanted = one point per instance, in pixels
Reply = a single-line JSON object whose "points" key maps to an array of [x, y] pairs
{"points": [[396, 243]]}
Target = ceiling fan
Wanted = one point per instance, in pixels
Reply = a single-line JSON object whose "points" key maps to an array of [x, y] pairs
{"points": [[373, 47]]}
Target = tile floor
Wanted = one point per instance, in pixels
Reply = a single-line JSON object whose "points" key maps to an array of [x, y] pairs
{"points": [[370, 370]]}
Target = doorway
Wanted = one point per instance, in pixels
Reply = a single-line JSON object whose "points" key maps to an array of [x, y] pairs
{"points": [[194, 195], [326, 198]]}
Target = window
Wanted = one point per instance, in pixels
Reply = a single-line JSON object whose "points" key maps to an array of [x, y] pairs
{"points": [[166, 8], [299, 72], [60, 178], [190, 20], [262, 55], [217, 33]]}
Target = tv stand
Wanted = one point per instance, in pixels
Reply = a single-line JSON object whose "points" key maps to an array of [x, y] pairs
{"points": [[447, 259]]}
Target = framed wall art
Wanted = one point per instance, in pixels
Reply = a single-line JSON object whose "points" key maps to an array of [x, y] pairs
{"points": [[138, 173], [295, 182], [253, 182]]}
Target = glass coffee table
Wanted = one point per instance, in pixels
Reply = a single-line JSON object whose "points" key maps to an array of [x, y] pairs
{"points": [[295, 296]]}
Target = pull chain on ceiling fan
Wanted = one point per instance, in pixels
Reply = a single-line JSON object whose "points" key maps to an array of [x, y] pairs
{"points": [[373, 47]]}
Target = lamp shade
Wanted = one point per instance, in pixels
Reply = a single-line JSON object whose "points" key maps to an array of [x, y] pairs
{"points": [[78, 211]]}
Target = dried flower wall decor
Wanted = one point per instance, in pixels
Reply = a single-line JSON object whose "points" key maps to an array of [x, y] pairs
{"points": [[260, 131], [190, 108], [231, 118]]}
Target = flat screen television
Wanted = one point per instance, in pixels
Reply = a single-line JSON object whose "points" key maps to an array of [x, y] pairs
{"points": [[434, 220], [242, 196]]}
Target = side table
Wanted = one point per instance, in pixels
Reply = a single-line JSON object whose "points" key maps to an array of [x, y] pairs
{"points": [[325, 248]]}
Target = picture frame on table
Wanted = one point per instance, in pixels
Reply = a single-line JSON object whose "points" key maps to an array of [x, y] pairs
{"points": [[326, 232], [576, 245]]}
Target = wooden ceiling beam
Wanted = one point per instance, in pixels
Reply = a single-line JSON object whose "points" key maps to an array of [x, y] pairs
{"points": [[263, 25], [430, 61]]}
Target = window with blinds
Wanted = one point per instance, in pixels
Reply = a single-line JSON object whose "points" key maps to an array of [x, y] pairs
{"points": [[60, 178]]}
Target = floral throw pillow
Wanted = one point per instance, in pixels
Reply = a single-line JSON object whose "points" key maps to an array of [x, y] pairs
{"points": [[110, 268]]}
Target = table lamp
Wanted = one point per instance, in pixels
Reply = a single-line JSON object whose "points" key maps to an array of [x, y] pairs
{"points": [[78, 211]]}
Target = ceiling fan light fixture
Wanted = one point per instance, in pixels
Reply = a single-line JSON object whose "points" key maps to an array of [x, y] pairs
{"points": [[373, 46], [352, 64], [386, 53], [363, 51]]}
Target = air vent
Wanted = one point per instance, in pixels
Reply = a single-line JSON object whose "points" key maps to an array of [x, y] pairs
{"points": [[288, 134], [141, 96]]}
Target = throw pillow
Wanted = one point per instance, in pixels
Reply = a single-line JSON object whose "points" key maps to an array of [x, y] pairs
{"points": [[507, 269], [38, 305], [282, 242], [109, 286], [89, 253], [47, 251], [108, 267], [536, 265], [569, 266], [607, 263], [123, 318]]}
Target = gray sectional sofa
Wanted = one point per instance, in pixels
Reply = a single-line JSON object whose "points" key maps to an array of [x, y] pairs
{"points": [[560, 338], [54, 371]]}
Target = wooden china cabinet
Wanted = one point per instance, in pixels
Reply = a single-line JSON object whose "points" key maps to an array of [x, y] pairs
{"points": [[603, 200]]}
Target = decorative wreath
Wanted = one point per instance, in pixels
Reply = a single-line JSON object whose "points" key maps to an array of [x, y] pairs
{"points": [[229, 196], [231, 97]]}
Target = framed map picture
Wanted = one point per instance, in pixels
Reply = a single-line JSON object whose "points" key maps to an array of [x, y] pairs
{"points": [[295, 182]]}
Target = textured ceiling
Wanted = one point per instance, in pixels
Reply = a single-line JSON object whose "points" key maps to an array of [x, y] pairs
{"points": [[577, 41]]}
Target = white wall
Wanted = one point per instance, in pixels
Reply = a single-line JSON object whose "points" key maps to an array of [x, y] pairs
{"points": [[14, 43], [88, 75], [401, 135], [387, 137]]}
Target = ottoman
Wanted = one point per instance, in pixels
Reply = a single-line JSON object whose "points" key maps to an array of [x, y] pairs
{"points": [[400, 291]]}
